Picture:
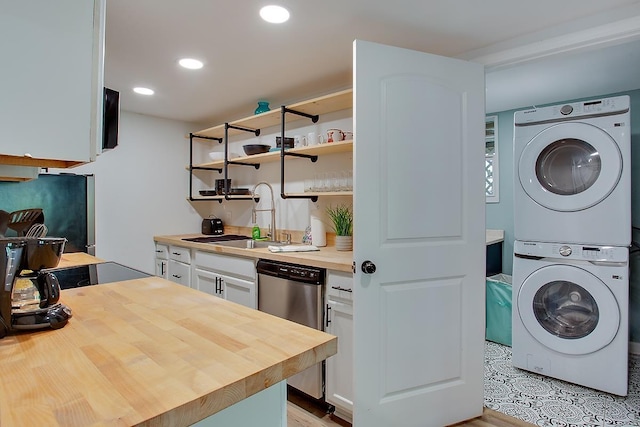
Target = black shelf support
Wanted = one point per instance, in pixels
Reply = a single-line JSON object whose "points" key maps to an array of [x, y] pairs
{"points": [[228, 162], [314, 117], [193, 168], [283, 153]]}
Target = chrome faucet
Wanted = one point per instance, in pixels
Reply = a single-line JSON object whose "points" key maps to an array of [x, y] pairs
{"points": [[272, 231]]}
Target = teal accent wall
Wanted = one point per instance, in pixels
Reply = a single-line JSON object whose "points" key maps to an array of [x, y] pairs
{"points": [[63, 200], [500, 215]]}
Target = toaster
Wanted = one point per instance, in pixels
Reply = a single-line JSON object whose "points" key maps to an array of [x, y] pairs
{"points": [[212, 226]]}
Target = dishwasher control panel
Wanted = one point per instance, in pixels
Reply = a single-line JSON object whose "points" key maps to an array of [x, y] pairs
{"points": [[298, 273]]}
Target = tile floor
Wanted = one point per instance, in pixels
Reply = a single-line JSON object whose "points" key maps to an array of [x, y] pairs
{"points": [[545, 401]]}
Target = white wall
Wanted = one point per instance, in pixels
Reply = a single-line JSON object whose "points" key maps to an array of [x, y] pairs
{"points": [[141, 189]]}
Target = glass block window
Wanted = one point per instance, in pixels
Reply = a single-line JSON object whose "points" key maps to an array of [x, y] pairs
{"points": [[491, 182]]}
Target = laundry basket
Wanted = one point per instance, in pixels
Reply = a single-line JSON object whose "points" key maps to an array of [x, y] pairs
{"points": [[499, 304]]}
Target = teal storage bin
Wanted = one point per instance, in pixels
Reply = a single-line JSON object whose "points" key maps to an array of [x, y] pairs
{"points": [[499, 306]]}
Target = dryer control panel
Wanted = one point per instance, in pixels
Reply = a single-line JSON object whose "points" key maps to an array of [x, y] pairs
{"points": [[572, 111]]}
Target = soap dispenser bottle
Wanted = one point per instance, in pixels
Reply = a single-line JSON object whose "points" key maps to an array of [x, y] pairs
{"points": [[255, 232]]}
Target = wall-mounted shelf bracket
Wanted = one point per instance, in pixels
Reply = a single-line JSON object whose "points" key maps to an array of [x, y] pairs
{"points": [[283, 153], [227, 126], [192, 168], [228, 162], [283, 195], [314, 117]]}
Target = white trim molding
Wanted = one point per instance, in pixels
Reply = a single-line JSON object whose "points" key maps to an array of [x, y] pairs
{"points": [[501, 56]]}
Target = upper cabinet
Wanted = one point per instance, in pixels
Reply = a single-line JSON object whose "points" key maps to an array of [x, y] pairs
{"points": [[52, 82]]}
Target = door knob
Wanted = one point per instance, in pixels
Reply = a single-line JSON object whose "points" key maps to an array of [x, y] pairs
{"points": [[368, 267]]}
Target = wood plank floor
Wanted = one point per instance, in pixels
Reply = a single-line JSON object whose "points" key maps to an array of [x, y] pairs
{"points": [[304, 413]]}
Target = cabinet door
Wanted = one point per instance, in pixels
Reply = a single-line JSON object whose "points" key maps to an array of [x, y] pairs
{"points": [[240, 291], [339, 381], [179, 272], [52, 107], [162, 267], [209, 282]]}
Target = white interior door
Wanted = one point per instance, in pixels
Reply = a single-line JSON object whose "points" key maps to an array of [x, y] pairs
{"points": [[419, 217]]}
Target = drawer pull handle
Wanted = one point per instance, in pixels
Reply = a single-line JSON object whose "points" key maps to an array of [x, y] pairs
{"points": [[338, 288], [177, 253], [176, 276]]}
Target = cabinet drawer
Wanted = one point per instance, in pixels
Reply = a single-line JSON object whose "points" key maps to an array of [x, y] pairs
{"points": [[340, 284], [179, 273], [162, 251], [232, 265], [180, 254]]}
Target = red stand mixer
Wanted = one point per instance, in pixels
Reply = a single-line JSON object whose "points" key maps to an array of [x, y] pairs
{"points": [[29, 294]]}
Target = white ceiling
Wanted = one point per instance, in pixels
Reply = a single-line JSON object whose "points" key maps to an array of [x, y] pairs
{"points": [[247, 60]]}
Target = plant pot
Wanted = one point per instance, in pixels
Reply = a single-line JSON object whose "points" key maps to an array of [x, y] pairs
{"points": [[344, 243]]}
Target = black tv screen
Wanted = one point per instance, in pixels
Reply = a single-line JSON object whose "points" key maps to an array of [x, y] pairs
{"points": [[110, 119]]}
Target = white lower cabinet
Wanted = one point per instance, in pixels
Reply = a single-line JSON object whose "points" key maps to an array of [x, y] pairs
{"points": [[162, 260], [209, 282], [229, 277], [339, 368], [179, 269]]}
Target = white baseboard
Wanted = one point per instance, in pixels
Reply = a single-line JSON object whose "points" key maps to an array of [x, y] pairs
{"points": [[634, 347]]}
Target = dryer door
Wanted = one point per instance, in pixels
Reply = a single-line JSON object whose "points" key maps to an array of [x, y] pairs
{"points": [[570, 166], [568, 309]]}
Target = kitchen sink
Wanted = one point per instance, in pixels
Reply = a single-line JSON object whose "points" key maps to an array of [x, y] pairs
{"points": [[233, 240], [243, 243], [217, 238]]}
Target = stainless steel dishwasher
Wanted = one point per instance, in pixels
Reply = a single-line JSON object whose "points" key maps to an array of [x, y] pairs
{"points": [[295, 292]]}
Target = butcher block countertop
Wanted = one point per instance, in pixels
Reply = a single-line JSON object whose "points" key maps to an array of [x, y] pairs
{"points": [[148, 352], [73, 259], [327, 257]]}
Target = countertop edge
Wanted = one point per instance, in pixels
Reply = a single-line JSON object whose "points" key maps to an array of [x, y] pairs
{"points": [[230, 394]]}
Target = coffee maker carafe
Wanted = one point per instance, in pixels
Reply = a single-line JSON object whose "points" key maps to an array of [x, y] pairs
{"points": [[29, 295]]}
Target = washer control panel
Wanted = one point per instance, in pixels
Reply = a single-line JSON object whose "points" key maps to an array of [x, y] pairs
{"points": [[571, 251], [565, 250]]}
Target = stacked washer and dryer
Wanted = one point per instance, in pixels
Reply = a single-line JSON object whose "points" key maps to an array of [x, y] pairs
{"points": [[572, 226]]}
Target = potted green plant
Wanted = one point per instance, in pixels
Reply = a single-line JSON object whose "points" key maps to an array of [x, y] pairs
{"points": [[342, 219]]}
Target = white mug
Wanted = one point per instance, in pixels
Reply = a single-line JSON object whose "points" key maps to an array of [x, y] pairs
{"points": [[314, 139], [300, 141]]}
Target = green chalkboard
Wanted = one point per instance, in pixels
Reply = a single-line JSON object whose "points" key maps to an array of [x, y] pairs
{"points": [[63, 199]]}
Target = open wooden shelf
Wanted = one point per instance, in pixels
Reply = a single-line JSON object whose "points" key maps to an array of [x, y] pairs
{"points": [[322, 193], [274, 156], [321, 105]]}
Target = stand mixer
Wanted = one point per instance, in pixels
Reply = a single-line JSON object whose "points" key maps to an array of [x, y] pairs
{"points": [[29, 296]]}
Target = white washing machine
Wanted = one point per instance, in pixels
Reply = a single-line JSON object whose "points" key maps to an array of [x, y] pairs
{"points": [[571, 313], [572, 173]]}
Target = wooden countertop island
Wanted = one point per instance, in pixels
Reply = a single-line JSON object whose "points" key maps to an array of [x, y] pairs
{"points": [[151, 352]]}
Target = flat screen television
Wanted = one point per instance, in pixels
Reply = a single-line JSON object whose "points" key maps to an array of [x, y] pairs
{"points": [[110, 119]]}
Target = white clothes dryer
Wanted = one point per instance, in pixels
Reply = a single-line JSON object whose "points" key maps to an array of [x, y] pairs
{"points": [[571, 313], [572, 173]]}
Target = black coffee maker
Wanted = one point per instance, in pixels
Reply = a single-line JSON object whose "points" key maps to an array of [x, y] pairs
{"points": [[29, 295]]}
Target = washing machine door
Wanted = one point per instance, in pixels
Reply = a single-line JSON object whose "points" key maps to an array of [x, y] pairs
{"points": [[568, 309], [570, 166]]}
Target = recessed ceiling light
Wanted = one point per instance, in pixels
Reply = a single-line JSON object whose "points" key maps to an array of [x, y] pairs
{"points": [[143, 90], [190, 63], [274, 14]]}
